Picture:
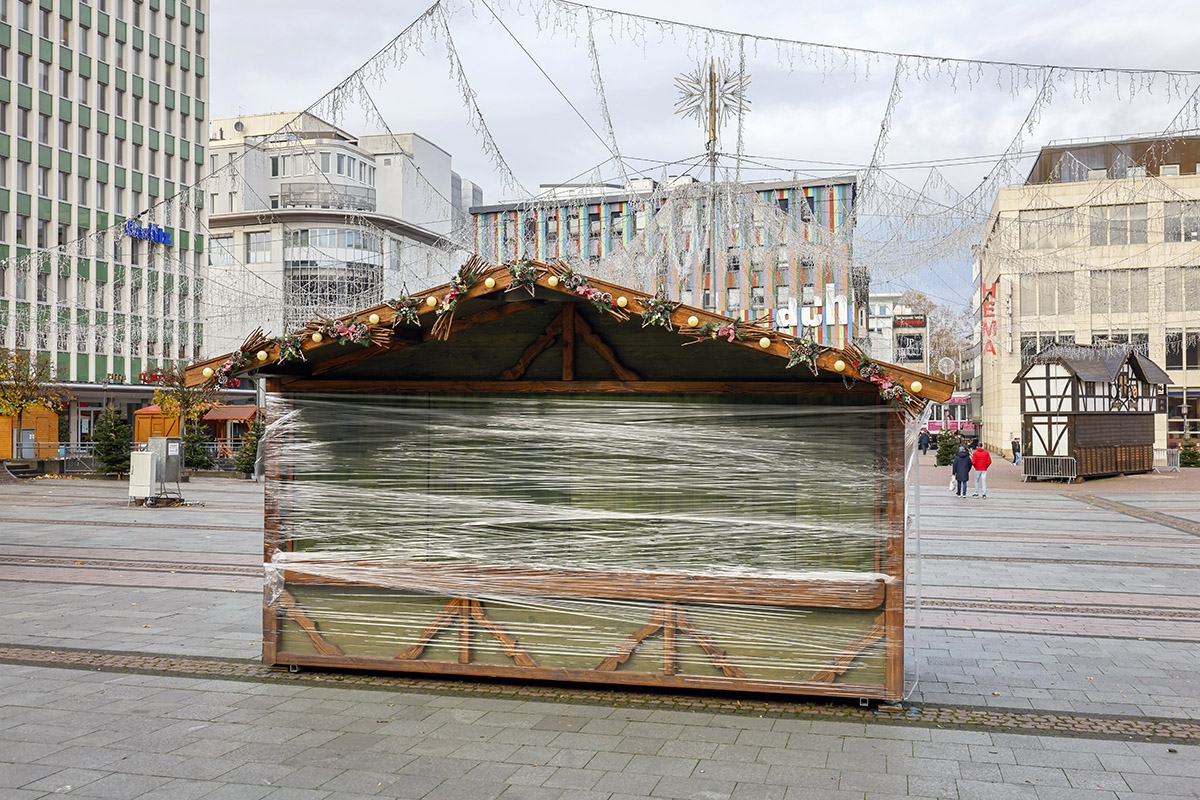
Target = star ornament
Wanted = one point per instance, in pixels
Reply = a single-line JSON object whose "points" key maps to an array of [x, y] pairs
{"points": [[712, 86]]}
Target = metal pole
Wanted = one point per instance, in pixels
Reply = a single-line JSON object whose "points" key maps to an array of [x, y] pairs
{"points": [[712, 176]]}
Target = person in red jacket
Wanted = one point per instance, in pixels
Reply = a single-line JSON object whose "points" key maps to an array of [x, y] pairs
{"points": [[981, 459]]}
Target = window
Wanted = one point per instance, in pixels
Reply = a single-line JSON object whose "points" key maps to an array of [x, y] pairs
{"points": [[23, 68], [23, 14], [3, 61], [44, 76], [43, 186], [102, 96], [3, 117], [22, 230], [64, 188], [82, 192], [1181, 222], [137, 157], [84, 90], [101, 195], [64, 83], [1116, 291], [64, 134], [83, 141], [22, 176], [258, 247], [274, 166], [120, 104], [102, 146], [325, 163], [1125, 224], [44, 128], [102, 47], [3, 178], [220, 251], [23, 123], [1045, 228]]}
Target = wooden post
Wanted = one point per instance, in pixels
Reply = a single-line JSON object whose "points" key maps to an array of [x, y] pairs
{"points": [[568, 342], [894, 560]]}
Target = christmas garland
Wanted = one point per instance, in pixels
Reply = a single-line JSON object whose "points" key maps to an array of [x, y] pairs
{"points": [[657, 310], [467, 275], [343, 333], [525, 275], [602, 300], [890, 389], [803, 351], [406, 309], [290, 348], [729, 331]]}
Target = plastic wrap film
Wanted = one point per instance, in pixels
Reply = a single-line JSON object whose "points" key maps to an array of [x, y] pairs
{"points": [[912, 521], [666, 540]]}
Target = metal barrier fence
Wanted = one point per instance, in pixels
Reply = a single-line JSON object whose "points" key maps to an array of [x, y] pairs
{"points": [[1166, 459], [1055, 467]]}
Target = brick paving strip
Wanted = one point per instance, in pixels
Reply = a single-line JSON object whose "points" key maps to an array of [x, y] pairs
{"points": [[1114, 727], [1166, 520]]}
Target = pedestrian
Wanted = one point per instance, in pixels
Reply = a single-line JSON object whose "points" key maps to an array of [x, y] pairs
{"points": [[923, 441], [961, 467], [1016, 447], [981, 459]]}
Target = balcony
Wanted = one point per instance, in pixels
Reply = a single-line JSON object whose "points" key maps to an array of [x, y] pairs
{"points": [[325, 195]]}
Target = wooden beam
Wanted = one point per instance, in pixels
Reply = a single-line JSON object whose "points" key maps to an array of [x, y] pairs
{"points": [[461, 324], [568, 341], [300, 385], [454, 579], [593, 340], [540, 344]]}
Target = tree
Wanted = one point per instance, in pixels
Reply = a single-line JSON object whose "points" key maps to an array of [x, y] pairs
{"points": [[25, 383], [947, 330], [247, 454], [111, 442], [948, 442], [189, 403], [1189, 455]]}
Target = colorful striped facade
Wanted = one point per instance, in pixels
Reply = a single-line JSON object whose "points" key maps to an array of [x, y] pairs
{"points": [[786, 252]]}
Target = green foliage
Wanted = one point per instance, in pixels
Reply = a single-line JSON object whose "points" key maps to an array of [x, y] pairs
{"points": [[111, 442], [1189, 455], [195, 454], [244, 458], [948, 442]]}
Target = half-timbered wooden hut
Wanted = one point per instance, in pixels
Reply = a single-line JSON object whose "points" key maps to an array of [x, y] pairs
{"points": [[529, 473], [1095, 404]]}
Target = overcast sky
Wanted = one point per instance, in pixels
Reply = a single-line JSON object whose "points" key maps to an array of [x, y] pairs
{"points": [[277, 55]]}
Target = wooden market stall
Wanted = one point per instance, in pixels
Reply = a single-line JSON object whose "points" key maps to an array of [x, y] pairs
{"points": [[153, 421], [1092, 405], [529, 473]]}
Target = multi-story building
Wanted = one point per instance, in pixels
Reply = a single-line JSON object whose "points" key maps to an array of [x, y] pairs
{"points": [[308, 219], [1101, 244], [102, 132], [784, 248], [896, 333]]}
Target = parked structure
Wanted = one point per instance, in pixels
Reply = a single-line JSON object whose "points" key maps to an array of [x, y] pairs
{"points": [[103, 128], [1101, 245], [309, 219], [1093, 405]]}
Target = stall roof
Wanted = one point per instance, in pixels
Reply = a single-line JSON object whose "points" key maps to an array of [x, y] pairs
{"points": [[1099, 363], [529, 327], [224, 413]]}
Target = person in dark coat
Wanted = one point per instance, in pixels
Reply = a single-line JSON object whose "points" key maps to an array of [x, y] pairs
{"points": [[961, 467], [1016, 448], [923, 441]]}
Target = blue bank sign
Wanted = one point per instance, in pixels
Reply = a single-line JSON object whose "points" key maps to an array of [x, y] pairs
{"points": [[153, 233]]}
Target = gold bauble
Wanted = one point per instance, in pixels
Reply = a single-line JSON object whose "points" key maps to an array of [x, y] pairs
{"points": [[207, 372], [552, 281], [431, 301], [622, 301], [916, 386], [489, 282], [764, 342], [373, 319], [316, 337], [693, 321], [262, 355], [839, 366]]}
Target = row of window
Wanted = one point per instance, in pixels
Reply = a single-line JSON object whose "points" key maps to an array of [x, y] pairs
{"points": [[39, 233], [64, 31], [1109, 291], [117, 296], [1182, 349], [300, 164], [1107, 225], [221, 249], [22, 126]]}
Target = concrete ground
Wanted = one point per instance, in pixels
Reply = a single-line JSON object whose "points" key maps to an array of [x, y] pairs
{"points": [[1052, 654]]}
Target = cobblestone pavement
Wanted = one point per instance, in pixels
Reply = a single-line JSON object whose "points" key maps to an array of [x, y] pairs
{"points": [[1054, 658]]}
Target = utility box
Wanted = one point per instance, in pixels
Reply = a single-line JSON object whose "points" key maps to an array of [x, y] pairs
{"points": [[141, 475], [169, 457]]}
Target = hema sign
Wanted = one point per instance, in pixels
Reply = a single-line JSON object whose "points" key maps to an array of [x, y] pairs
{"points": [[153, 233]]}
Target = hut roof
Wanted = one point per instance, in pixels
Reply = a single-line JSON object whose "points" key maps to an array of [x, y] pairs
{"points": [[522, 326], [1099, 363]]}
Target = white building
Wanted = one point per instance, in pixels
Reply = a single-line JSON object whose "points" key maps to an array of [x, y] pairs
{"points": [[308, 219], [1101, 244], [896, 334]]}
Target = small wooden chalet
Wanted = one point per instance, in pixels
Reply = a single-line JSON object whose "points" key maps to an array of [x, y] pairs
{"points": [[1095, 404], [528, 473]]}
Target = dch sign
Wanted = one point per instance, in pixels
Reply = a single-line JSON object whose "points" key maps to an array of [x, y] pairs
{"points": [[152, 233]]}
